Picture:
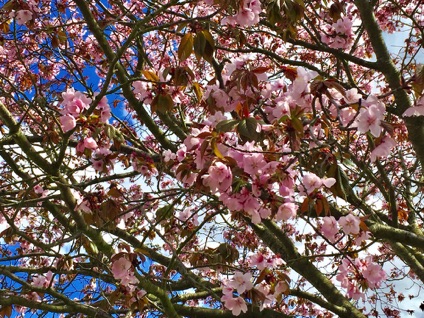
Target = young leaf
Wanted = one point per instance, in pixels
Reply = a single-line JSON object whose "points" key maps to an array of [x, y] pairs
{"points": [[164, 103], [209, 46], [197, 90], [215, 149], [199, 45], [247, 128], [150, 75], [226, 125], [418, 81], [165, 212], [186, 47]]}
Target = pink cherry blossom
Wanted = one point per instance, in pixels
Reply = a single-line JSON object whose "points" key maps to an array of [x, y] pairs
{"points": [[383, 149], [102, 152], [219, 178], [75, 107], [38, 189], [299, 88], [145, 170], [286, 211], [374, 274], [354, 292], [74, 102], [22, 16], [369, 120], [43, 281], [363, 236], [90, 143], [130, 281], [330, 228], [143, 91], [68, 96], [264, 213], [250, 202], [235, 304], [350, 224], [258, 259], [121, 267], [169, 155], [98, 165], [188, 215], [414, 111], [175, 71], [254, 164], [221, 98], [311, 182], [246, 17], [123, 271], [84, 206], [241, 282], [343, 271], [370, 116], [286, 188], [181, 153], [105, 112], [417, 110], [231, 202], [67, 122], [192, 142], [281, 287], [339, 35]]}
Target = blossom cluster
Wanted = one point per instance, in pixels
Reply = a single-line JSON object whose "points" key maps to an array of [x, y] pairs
{"points": [[350, 225], [21, 16], [358, 275], [339, 35], [241, 283], [370, 116], [75, 103], [123, 270], [247, 15]]}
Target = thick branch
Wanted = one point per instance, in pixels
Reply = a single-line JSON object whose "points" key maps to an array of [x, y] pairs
{"points": [[122, 77], [410, 259], [415, 125], [7, 300], [391, 234], [281, 244], [19, 137], [199, 312]]}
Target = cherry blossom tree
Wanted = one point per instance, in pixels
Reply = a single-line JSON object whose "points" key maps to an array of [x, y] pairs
{"points": [[211, 158]]}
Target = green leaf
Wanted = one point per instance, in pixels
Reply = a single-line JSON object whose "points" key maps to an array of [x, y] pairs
{"points": [[110, 131], [226, 125], [162, 103], [182, 76], [199, 45], [215, 149], [165, 212], [338, 189], [247, 129], [198, 91], [11, 5], [204, 45], [418, 82], [297, 124], [150, 75], [186, 47], [273, 12], [209, 46], [181, 26], [6, 311]]}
